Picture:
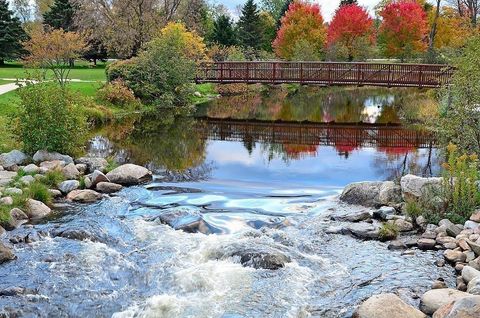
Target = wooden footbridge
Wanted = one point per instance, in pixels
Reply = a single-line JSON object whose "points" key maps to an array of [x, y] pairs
{"points": [[356, 135], [326, 73]]}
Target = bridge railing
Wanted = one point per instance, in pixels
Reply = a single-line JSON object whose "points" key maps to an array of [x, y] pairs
{"points": [[326, 73]]}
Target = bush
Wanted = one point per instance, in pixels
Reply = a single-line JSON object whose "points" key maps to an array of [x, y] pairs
{"points": [[49, 119], [4, 214], [388, 232], [112, 164], [120, 69], [38, 191], [53, 178], [460, 183], [118, 94]]}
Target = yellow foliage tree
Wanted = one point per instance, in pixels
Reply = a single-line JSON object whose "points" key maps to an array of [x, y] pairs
{"points": [[452, 30]]}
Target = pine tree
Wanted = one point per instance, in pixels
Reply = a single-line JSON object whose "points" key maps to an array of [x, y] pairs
{"points": [[11, 34], [249, 26], [347, 2], [60, 16], [223, 31]]}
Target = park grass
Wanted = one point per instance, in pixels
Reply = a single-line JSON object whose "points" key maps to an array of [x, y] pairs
{"points": [[3, 82], [82, 71]]}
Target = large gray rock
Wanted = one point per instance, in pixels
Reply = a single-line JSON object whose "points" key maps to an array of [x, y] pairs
{"points": [[129, 174], [390, 193], [84, 196], [13, 158], [93, 163], [42, 155], [352, 216], [468, 307], [68, 186], [474, 286], [362, 193], [6, 177], [6, 254], [36, 209], [108, 187], [433, 299], [414, 187], [185, 219], [386, 306], [469, 273]]}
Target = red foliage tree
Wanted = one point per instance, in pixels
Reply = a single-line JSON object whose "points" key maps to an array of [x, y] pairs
{"points": [[302, 27], [404, 29], [351, 29]]}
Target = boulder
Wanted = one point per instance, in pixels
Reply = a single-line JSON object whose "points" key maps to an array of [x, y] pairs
{"points": [[386, 306], [453, 230], [364, 231], [185, 219], [402, 225], [474, 286], [475, 247], [467, 307], [31, 169], [52, 165], [108, 187], [6, 177], [84, 196], [471, 225], [414, 187], [93, 163], [18, 214], [68, 186], [6, 254], [352, 216], [469, 273], [55, 193], [257, 256], [390, 193], [362, 193], [71, 172], [82, 168], [433, 299], [13, 158], [426, 244], [97, 177], [36, 209], [475, 217], [454, 256], [129, 174], [383, 213], [42, 155]]}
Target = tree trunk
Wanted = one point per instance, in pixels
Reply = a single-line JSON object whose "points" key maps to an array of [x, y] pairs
{"points": [[433, 32], [2, 62]]}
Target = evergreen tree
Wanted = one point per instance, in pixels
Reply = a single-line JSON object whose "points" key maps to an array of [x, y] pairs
{"points": [[284, 10], [223, 31], [347, 2], [60, 16], [11, 34], [249, 26]]}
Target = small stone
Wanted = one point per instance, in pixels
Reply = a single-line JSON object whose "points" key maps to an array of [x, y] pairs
{"points": [[36, 209], [429, 235], [84, 196], [27, 180], [383, 213], [440, 263], [82, 168], [97, 177], [469, 273], [68, 186], [6, 254], [386, 306], [52, 165], [71, 172], [55, 193], [438, 284], [6, 201], [402, 225], [475, 247], [108, 187], [13, 191], [31, 169], [454, 256], [397, 245], [433, 299], [426, 244], [471, 225], [475, 217]]}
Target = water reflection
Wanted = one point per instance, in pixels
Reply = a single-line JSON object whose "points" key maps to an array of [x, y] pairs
{"points": [[315, 136]]}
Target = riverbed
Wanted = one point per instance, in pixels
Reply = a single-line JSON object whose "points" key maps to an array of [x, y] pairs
{"points": [[249, 167]]}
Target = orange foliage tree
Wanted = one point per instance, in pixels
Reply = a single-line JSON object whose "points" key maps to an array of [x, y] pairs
{"points": [[351, 29], [55, 51], [404, 29], [302, 27]]}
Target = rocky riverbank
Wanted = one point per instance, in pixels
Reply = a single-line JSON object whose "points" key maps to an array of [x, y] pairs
{"points": [[460, 243], [82, 180]]}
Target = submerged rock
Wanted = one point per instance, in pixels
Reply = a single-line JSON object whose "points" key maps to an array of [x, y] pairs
{"points": [[255, 255], [129, 174], [186, 220], [386, 306]]}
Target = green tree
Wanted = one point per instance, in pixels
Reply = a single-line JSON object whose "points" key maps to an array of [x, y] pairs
{"points": [[269, 28], [274, 7], [223, 31], [11, 34], [60, 16], [249, 26]]}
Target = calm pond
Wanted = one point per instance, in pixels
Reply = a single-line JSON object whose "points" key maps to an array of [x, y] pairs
{"points": [[262, 171]]}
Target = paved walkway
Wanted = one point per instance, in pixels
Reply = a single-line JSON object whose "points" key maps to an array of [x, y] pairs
{"points": [[13, 86]]}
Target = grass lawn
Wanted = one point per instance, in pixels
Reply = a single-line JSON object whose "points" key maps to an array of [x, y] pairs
{"points": [[83, 71]]}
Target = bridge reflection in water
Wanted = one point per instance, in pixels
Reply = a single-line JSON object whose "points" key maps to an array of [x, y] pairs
{"points": [[390, 138]]}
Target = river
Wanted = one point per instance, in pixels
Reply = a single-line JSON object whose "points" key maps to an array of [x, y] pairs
{"points": [[262, 171]]}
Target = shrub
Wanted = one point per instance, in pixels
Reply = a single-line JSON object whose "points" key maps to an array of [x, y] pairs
{"points": [[120, 69], [4, 214], [118, 94], [38, 191], [413, 209], [388, 231], [49, 119], [53, 178], [460, 183], [112, 164]]}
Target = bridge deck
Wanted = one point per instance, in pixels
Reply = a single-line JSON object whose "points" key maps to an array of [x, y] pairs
{"points": [[326, 73]]}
